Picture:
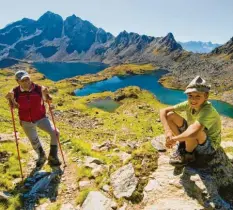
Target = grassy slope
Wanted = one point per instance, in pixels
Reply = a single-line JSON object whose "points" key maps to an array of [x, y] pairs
{"points": [[120, 125]]}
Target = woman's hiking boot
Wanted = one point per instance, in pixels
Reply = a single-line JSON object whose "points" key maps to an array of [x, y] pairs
{"points": [[41, 157], [53, 159]]}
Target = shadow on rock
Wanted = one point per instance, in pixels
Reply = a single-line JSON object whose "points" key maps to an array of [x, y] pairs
{"points": [[41, 184], [210, 180]]}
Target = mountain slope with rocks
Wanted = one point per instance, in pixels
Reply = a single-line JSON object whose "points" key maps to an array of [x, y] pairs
{"points": [[116, 160], [216, 67]]}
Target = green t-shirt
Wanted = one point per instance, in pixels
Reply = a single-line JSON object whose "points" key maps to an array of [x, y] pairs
{"points": [[206, 116]]}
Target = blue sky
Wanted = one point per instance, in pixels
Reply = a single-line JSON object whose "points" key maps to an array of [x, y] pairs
{"points": [[204, 20]]}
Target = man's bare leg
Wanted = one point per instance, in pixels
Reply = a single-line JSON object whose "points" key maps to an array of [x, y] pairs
{"points": [[175, 121]]}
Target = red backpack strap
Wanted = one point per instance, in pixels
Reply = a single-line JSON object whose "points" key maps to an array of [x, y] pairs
{"points": [[38, 89], [16, 91]]}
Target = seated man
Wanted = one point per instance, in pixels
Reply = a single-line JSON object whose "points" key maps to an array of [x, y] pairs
{"points": [[200, 132]]}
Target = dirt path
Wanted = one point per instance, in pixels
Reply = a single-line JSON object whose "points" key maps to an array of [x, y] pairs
{"points": [[67, 186]]}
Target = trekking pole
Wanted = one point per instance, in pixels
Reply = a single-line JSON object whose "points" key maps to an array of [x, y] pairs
{"points": [[16, 141], [51, 113]]}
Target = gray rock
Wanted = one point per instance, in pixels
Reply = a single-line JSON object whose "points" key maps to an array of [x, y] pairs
{"points": [[5, 196], [17, 181], [84, 184], [90, 160], [98, 170], [226, 144], [152, 184], [176, 182], [116, 150], [124, 181], [7, 137], [158, 143], [67, 206], [97, 201], [172, 204], [95, 147], [106, 188], [124, 156], [230, 156], [151, 208], [123, 207], [133, 144]]}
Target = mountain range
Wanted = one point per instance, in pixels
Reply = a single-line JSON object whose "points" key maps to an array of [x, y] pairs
{"points": [[198, 47], [50, 38]]}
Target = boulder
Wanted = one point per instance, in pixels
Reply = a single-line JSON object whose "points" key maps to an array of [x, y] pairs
{"points": [[124, 181], [158, 143], [97, 201]]}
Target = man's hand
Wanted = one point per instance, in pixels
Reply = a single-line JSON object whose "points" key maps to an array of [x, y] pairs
{"points": [[11, 100], [169, 140], [46, 95], [13, 104], [170, 143], [48, 98]]}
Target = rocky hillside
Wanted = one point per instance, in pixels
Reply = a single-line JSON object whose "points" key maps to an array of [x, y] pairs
{"points": [[226, 49], [52, 39], [216, 67]]}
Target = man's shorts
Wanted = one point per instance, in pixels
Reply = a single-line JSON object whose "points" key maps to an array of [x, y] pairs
{"points": [[202, 149]]}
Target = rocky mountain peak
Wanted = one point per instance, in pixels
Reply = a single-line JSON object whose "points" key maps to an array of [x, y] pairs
{"points": [[51, 25], [49, 16], [170, 36], [123, 34], [102, 36], [169, 43], [73, 19]]}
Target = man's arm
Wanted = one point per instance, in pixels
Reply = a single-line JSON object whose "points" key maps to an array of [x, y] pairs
{"points": [[167, 129], [191, 132], [45, 94]]}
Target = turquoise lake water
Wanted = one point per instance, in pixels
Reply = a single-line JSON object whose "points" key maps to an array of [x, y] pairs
{"points": [[58, 71], [150, 83]]}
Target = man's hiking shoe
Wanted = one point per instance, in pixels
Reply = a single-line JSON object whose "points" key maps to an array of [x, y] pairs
{"points": [[53, 159], [181, 159], [41, 157], [177, 152], [41, 161]]}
